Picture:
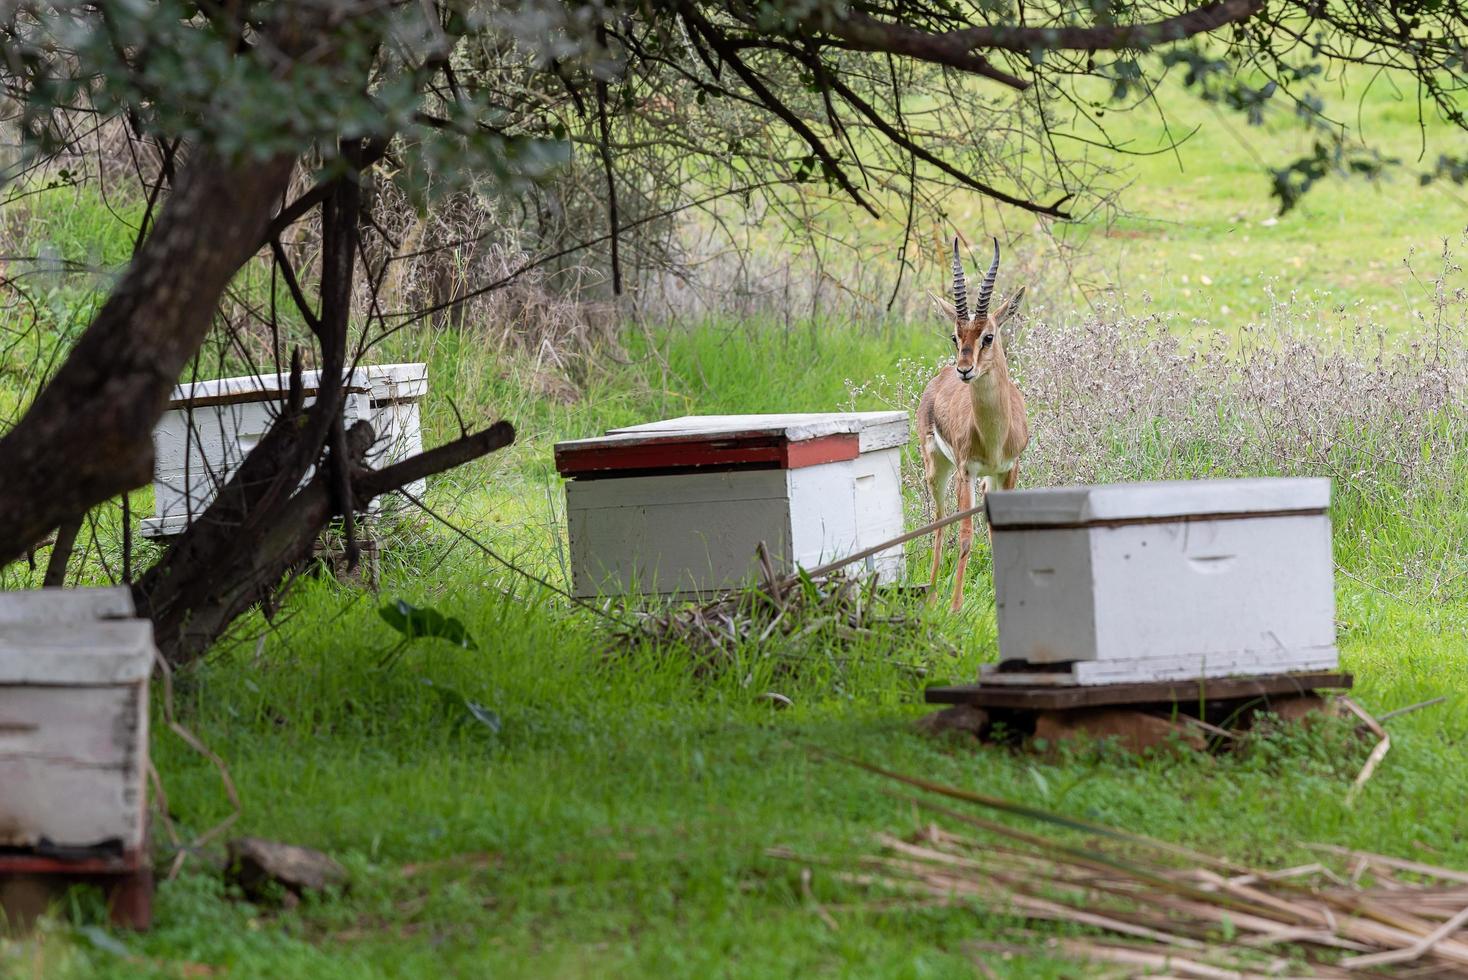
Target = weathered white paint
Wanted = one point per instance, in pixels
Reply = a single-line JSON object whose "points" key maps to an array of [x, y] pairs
{"points": [[66, 605], [1163, 498], [212, 425], [841, 508], [104, 651], [396, 392], [688, 533], [696, 533], [73, 720], [1136, 600], [1180, 667], [876, 430]]}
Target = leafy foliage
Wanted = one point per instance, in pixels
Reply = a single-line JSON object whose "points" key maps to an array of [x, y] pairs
{"points": [[413, 623]]}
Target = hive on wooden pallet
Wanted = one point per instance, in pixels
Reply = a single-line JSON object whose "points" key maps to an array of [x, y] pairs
{"points": [[74, 668], [679, 506], [211, 426], [1162, 581], [1196, 712]]}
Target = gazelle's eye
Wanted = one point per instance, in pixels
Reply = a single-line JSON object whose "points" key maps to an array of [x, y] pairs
{"points": [[955, 340], [988, 339]]}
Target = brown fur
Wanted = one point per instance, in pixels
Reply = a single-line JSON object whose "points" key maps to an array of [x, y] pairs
{"points": [[983, 422]]}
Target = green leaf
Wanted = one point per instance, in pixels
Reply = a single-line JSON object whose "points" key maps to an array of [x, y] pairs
{"points": [[415, 623], [486, 717], [462, 710]]}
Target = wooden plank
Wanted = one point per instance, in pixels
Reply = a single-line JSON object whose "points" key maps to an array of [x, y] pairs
{"points": [[1170, 519], [1044, 698], [31, 863], [877, 430], [72, 765], [107, 651], [676, 453], [1177, 667], [66, 605]]}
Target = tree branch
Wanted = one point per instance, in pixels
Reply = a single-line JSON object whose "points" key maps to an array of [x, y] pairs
{"points": [[896, 136], [373, 150], [830, 165], [368, 484], [862, 32]]}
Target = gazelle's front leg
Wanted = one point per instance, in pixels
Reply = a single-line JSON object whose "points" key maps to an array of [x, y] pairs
{"points": [[965, 537], [937, 471]]}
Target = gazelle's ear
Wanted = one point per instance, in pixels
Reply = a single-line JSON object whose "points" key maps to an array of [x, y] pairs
{"points": [[949, 311], [1010, 306]]}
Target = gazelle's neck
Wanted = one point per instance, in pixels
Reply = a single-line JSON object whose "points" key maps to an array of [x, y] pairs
{"points": [[989, 390]]}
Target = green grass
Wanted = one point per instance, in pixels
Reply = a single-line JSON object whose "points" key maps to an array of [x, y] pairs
{"points": [[1194, 233], [617, 822]]}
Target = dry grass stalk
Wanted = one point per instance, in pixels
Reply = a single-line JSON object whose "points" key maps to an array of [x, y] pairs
{"points": [[1383, 745], [1154, 909], [789, 620]]}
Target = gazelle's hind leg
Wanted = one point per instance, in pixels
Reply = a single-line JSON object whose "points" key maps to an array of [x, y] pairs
{"points": [[936, 470], [966, 486]]}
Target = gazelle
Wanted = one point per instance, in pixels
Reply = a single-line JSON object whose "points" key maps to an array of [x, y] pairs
{"points": [[972, 417]]}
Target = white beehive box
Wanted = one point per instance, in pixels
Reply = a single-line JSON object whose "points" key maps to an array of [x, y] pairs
{"points": [[210, 427], [679, 506], [74, 668], [1163, 581]]}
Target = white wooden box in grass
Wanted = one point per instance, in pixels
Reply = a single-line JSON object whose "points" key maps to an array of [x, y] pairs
{"points": [[1162, 581], [74, 668], [210, 427], [679, 506]]}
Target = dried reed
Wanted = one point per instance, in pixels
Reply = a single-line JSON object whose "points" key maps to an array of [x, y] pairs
{"points": [[1149, 906]]}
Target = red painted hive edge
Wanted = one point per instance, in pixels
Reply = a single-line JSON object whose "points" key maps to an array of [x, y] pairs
{"points": [[726, 453]]}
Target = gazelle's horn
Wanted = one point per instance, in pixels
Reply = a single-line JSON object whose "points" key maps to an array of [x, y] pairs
{"points": [[987, 289], [960, 288]]}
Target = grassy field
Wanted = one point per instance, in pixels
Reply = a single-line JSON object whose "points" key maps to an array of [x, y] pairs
{"points": [[1191, 231], [615, 818]]}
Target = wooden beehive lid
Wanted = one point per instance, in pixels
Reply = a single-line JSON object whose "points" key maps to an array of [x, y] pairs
{"points": [[252, 388], [704, 442], [384, 382], [1121, 503], [73, 636], [396, 382]]}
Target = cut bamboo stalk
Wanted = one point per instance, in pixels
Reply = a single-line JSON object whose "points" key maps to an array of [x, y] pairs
{"points": [[1414, 952], [1400, 864]]}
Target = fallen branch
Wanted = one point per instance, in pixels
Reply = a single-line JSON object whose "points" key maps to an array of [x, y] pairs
{"points": [[1413, 707], [831, 566], [1377, 754]]}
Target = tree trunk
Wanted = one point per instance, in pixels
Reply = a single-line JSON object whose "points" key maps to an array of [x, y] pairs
{"points": [[258, 525], [214, 574], [89, 434]]}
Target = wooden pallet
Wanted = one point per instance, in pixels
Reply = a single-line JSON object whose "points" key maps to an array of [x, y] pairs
{"points": [[31, 881], [1045, 697], [1139, 715]]}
